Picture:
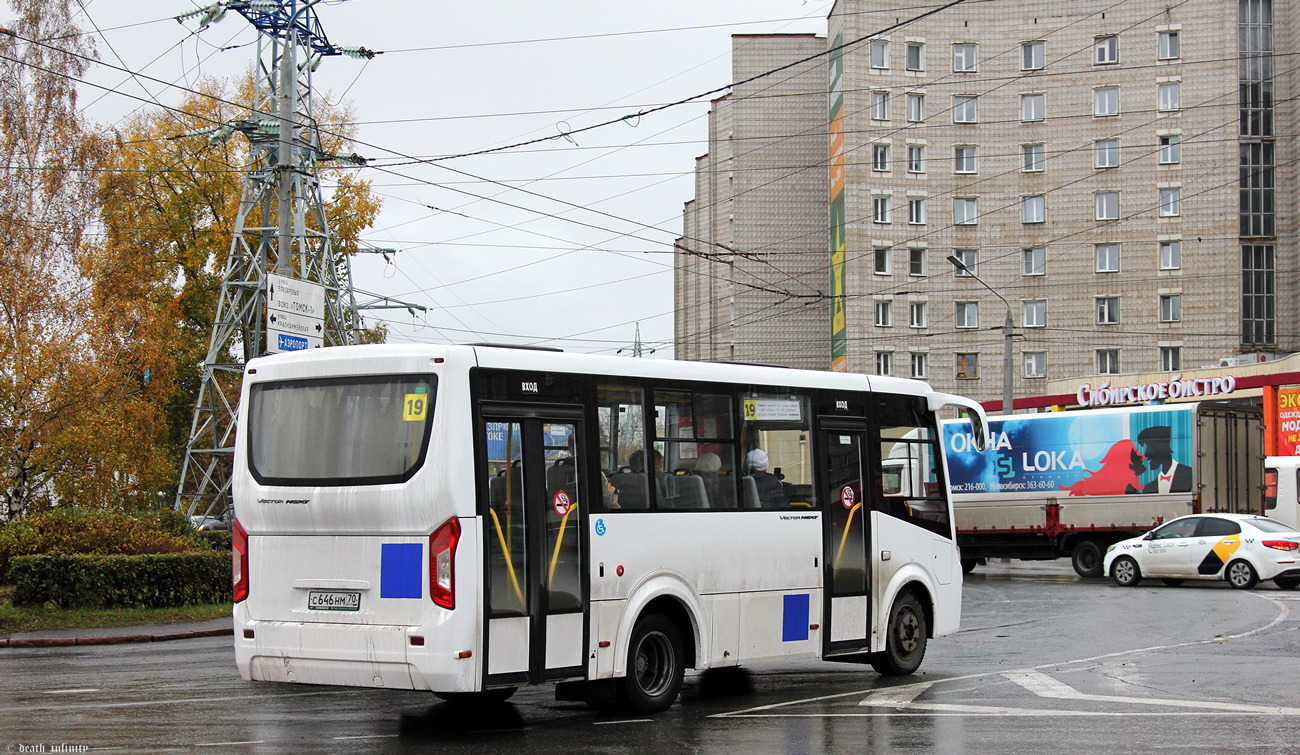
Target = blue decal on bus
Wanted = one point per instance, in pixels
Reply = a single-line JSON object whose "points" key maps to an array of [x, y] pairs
{"points": [[600, 527], [795, 618], [401, 573]]}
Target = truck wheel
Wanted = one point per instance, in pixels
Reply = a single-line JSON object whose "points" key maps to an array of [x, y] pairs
{"points": [[968, 565], [1241, 575], [655, 665], [905, 638], [1087, 559], [1125, 572]]}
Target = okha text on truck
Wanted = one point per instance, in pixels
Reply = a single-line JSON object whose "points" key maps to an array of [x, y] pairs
{"points": [[1068, 484]]}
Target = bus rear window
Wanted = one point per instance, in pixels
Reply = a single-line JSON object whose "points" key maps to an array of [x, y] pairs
{"points": [[368, 430]]}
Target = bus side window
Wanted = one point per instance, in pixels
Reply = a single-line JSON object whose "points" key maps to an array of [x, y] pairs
{"points": [[777, 422], [909, 487], [621, 415]]}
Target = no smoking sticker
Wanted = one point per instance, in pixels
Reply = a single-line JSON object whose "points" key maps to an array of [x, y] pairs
{"points": [[562, 503], [847, 496]]}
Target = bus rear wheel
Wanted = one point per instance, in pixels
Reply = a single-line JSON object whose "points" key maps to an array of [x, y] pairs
{"points": [[905, 639], [655, 665]]}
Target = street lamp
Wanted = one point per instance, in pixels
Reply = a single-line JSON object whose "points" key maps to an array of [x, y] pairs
{"points": [[1008, 373]]}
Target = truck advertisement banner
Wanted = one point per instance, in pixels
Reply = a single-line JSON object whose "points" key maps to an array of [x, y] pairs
{"points": [[1085, 453]]}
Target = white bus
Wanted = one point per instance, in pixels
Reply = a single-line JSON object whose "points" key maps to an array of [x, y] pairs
{"points": [[470, 519]]}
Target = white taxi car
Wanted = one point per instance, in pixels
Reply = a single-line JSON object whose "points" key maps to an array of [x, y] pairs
{"points": [[1239, 548]]}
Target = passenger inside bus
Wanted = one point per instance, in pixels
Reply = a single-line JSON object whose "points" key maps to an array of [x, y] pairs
{"points": [[767, 486]]}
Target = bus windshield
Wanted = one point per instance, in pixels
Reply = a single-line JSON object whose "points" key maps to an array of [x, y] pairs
{"points": [[368, 430]]}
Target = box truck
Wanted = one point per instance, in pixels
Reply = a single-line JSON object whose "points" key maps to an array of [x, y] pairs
{"points": [[1068, 484], [1282, 489]]}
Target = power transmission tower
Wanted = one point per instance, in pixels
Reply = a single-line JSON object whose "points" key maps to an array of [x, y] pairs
{"points": [[281, 233]]}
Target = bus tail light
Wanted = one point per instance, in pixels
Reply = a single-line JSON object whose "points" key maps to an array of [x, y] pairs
{"points": [[1281, 545], [442, 563], [238, 561]]}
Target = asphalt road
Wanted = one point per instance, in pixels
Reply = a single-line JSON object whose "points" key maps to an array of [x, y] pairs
{"points": [[1045, 663]]}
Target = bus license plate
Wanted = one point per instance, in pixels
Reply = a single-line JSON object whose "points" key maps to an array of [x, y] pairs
{"points": [[333, 600]]}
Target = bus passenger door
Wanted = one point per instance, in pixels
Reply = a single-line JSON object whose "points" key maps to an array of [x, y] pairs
{"points": [[533, 586], [847, 533]]}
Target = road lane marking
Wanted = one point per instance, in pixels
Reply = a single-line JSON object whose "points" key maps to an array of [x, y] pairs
{"points": [[767, 711], [1045, 686], [896, 697], [70, 691]]}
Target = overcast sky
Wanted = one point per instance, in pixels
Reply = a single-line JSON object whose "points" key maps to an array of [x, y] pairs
{"points": [[566, 242]]}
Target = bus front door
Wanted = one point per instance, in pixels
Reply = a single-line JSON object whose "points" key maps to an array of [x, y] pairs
{"points": [[534, 525], [847, 521]]}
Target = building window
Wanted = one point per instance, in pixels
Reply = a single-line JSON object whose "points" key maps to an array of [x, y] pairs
{"points": [[968, 366], [964, 57], [881, 260], [1107, 205], [1171, 358], [1033, 107], [879, 53], [915, 107], [965, 211], [915, 158], [969, 258], [1169, 45], [963, 159], [881, 204], [1168, 96], [916, 261], [1033, 209], [1032, 157], [880, 157], [967, 314], [916, 210], [1171, 308], [1107, 310], [1108, 361], [1105, 153], [1105, 101], [1169, 149], [1170, 202], [1032, 55], [1258, 295], [964, 108], [1107, 258], [1034, 314], [884, 363], [1033, 261], [884, 314], [880, 106], [1107, 50], [918, 316], [1035, 364], [1171, 255], [915, 56], [919, 364], [1257, 189]]}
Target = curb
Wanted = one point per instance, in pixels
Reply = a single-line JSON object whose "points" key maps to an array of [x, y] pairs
{"points": [[119, 639]]}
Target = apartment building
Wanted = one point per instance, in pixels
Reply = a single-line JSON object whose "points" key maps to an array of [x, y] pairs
{"points": [[1103, 174]]}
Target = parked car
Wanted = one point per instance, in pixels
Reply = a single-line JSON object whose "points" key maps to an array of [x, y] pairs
{"points": [[1239, 548], [220, 521]]}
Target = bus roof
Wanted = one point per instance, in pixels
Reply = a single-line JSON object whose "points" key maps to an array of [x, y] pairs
{"points": [[368, 358]]}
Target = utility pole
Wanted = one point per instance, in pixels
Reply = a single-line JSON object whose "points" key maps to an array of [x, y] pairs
{"points": [[281, 229]]}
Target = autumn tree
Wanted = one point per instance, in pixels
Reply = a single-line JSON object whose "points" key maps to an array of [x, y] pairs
{"points": [[169, 208], [45, 197]]}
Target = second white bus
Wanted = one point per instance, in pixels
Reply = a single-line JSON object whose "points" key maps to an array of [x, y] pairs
{"points": [[470, 519]]}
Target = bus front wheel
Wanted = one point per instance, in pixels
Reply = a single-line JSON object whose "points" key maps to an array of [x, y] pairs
{"points": [[655, 665], [905, 638]]}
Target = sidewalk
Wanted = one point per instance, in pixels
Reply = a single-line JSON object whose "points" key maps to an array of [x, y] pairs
{"points": [[118, 635]]}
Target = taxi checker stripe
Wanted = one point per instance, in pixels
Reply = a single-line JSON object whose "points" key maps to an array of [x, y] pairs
{"points": [[1219, 555]]}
